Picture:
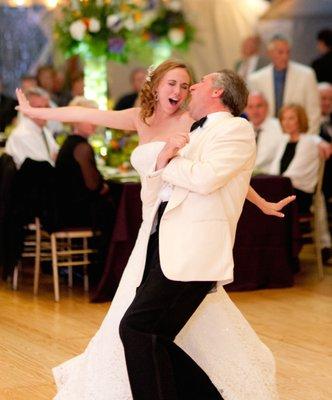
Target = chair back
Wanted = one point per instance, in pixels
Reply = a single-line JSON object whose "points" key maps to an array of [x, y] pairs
{"points": [[35, 193], [317, 198]]}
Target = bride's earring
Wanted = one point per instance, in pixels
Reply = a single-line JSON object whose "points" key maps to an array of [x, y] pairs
{"points": [[156, 96]]}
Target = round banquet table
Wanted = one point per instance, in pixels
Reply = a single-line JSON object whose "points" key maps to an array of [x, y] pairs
{"points": [[265, 250]]}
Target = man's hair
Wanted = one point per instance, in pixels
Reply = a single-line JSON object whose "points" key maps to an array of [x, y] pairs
{"points": [[277, 38], [235, 92], [37, 91], [259, 94], [325, 36]]}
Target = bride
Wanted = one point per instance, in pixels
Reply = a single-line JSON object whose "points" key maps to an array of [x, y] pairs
{"points": [[217, 336]]}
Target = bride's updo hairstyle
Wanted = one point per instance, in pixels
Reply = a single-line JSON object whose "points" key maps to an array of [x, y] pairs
{"points": [[148, 94]]}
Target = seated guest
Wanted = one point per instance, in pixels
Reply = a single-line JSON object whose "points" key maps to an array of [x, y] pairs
{"points": [[297, 156], [31, 138], [82, 195], [46, 78], [325, 93], [267, 129], [77, 86], [137, 78], [80, 186]]}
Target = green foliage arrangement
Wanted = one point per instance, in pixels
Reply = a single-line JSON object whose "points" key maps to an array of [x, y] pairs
{"points": [[121, 29]]}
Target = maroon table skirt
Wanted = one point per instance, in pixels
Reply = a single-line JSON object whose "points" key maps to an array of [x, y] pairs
{"points": [[266, 248], [264, 251]]}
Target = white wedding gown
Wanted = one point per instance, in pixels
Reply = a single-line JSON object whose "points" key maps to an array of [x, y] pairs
{"points": [[217, 337]]}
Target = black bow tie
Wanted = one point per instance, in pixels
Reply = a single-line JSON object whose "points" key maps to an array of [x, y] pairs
{"points": [[198, 124]]}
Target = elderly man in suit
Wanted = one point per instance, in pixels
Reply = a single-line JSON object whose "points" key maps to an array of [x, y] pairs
{"points": [[284, 81], [206, 184], [267, 129], [31, 138]]}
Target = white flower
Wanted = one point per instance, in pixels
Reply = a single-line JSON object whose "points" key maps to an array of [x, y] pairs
{"points": [[94, 25], [176, 35], [147, 17], [113, 22], [129, 24], [174, 5], [77, 29]]}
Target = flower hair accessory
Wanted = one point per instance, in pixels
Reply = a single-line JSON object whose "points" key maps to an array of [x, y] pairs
{"points": [[150, 72]]}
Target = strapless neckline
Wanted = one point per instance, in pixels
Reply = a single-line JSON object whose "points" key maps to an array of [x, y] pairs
{"points": [[143, 157]]}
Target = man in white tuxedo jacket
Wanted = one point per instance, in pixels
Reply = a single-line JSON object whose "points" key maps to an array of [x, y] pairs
{"points": [[200, 191], [284, 82]]}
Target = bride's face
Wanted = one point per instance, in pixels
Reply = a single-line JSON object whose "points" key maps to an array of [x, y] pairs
{"points": [[173, 90]]}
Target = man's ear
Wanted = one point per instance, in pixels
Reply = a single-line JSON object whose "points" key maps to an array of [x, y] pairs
{"points": [[217, 92]]}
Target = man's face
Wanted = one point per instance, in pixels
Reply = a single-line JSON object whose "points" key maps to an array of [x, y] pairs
{"points": [[249, 47], [138, 80], [256, 109], [201, 96], [46, 79], [40, 102], [28, 83], [279, 54], [326, 100]]}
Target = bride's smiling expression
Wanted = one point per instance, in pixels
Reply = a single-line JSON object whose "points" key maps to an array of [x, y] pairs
{"points": [[173, 90]]}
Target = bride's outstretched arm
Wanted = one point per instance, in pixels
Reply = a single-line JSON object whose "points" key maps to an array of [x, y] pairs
{"points": [[267, 207], [125, 119]]}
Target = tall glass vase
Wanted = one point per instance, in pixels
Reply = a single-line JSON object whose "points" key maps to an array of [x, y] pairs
{"points": [[95, 80]]}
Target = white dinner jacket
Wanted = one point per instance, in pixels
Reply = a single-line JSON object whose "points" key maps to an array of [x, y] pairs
{"points": [[303, 169], [300, 88], [210, 181]]}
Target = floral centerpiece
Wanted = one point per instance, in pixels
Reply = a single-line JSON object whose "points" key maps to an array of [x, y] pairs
{"points": [[119, 149], [121, 29]]}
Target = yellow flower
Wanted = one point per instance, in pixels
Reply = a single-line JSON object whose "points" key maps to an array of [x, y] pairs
{"points": [[137, 16]]}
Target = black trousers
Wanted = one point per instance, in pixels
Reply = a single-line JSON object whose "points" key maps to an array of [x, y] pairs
{"points": [[158, 369]]}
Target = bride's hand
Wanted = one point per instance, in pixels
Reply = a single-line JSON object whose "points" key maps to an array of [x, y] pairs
{"points": [[24, 105], [270, 208]]}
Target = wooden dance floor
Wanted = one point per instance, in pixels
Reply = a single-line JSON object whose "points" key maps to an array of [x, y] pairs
{"points": [[37, 334]]}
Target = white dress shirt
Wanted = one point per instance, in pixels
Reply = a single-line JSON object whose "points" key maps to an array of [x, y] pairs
{"points": [[27, 141], [269, 137]]}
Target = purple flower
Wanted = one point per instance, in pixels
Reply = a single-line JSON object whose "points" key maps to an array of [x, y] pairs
{"points": [[116, 45]]}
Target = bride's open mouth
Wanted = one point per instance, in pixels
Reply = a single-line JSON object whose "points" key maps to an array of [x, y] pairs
{"points": [[173, 102]]}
